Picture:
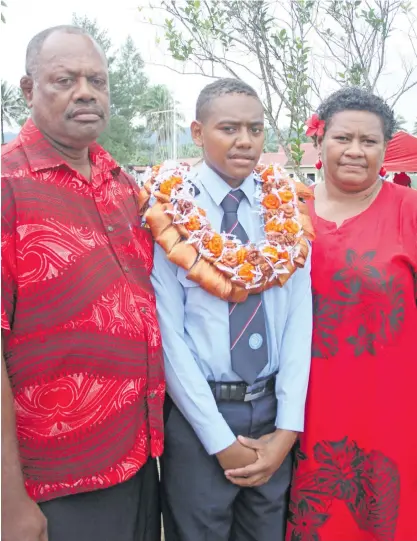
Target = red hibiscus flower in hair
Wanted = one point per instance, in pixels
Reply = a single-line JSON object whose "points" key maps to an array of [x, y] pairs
{"points": [[315, 126]]}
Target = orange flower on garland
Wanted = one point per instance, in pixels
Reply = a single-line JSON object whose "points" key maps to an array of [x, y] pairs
{"points": [[254, 265], [271, 201], [315, 126], [215, 245], [193, 224], [246, 272], [267, 173], [271, 253], [168, 185], [286, 196], [273, 226], [291, 226], [241, 255]]}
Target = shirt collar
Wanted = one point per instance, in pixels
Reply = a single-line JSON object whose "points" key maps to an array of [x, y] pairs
{"points": [[217, 188], [42, 155]]}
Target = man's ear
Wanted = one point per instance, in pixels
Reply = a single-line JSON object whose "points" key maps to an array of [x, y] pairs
{"points": [[26, 84], [197, 133]]}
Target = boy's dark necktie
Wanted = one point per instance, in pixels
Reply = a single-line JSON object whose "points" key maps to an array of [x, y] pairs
{"points": [[248, 343]]}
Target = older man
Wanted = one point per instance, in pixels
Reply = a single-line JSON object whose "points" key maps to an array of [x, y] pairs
{"points": [[82, 377]]}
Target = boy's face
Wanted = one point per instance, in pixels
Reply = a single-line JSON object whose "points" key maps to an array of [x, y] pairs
{"points": [[231, 135]]}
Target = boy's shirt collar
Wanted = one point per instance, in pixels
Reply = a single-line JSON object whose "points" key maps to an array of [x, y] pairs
{"points": [[218, 188]]}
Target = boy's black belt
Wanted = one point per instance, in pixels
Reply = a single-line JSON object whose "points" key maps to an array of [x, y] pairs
{"points": [[241, 392]]}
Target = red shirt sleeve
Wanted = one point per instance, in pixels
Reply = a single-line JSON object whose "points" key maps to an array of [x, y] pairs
{"points": [[8, 255]]}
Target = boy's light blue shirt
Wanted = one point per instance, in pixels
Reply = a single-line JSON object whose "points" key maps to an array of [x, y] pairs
{"points": [[195, 329]]}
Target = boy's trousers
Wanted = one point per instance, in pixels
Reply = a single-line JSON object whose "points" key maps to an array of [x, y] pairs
{"points": [[199, 503]]}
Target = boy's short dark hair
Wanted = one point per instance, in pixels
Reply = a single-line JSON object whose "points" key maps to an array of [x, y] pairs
{"points": [[221, 87]]}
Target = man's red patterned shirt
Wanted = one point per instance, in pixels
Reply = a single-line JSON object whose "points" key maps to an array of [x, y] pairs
{"points": [[81, 338]]}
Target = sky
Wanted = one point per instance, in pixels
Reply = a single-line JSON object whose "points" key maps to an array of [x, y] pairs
{"points": [[24, 18]]}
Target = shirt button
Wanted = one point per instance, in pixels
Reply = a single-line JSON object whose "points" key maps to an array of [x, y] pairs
{"points": [[152, 395], [143, 310], [126, 269], [110, 228]]}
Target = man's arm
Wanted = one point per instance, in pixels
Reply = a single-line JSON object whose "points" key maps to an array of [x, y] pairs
{"points": [[186, 384], [11, 472], [22, 520], [291, 387]]}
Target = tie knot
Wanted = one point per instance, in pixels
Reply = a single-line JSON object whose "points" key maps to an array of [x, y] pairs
{"points": [[232, 201]]}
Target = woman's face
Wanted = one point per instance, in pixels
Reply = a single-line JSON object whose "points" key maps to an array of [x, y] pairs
{"points": [[352, 150]]}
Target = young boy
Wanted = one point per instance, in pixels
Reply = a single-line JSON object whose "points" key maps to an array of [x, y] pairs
{"points": [[236, 381]]}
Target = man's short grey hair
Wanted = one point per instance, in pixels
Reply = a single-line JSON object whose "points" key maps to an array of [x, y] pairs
{"points": [[221, 87], [34, 48]]}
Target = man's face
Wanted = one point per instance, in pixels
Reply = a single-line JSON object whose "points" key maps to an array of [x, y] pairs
{"points": [[232, 136], [69, 91]]}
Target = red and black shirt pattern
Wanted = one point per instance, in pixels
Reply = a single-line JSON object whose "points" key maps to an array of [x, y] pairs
{"points": [[80, 333]]}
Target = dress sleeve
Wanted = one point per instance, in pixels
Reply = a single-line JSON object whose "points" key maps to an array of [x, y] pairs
{"points": [[408, 221], [8, 255], [409, 224]]}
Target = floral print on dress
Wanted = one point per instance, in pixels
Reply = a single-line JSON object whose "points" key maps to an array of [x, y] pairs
{"points": [[367, 482], [364, 295]]}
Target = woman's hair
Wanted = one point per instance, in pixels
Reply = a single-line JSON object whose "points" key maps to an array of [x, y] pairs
{"points": [[357, 99]]}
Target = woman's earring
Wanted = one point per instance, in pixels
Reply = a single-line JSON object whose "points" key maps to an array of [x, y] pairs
{"points": [[318, 164], [382, 172]]}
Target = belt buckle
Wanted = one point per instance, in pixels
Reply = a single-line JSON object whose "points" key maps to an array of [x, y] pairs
{"points": [[254, 395]]}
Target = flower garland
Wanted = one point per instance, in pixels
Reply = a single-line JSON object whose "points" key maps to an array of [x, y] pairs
{"points": [[220, 262]]}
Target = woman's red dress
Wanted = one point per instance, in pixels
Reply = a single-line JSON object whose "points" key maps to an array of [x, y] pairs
{"points": [[356, 468]]}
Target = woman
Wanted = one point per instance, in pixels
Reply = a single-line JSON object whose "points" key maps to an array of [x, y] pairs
{"points": [[356, 467]]}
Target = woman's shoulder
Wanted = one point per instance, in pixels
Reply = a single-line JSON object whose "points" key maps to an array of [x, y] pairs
{"points": [[403, 203], [401, 195]]}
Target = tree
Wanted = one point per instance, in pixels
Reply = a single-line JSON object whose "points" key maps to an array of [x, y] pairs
{"points": [[13, 107], [271, 142], [3, 5], [160, 113], [132, 101], [190, 151], [270, 44], [127, 82], [158, 110], [243, 39], [128, 85], [355, 36], [121, 139], [101, 36], [400, 123]]}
